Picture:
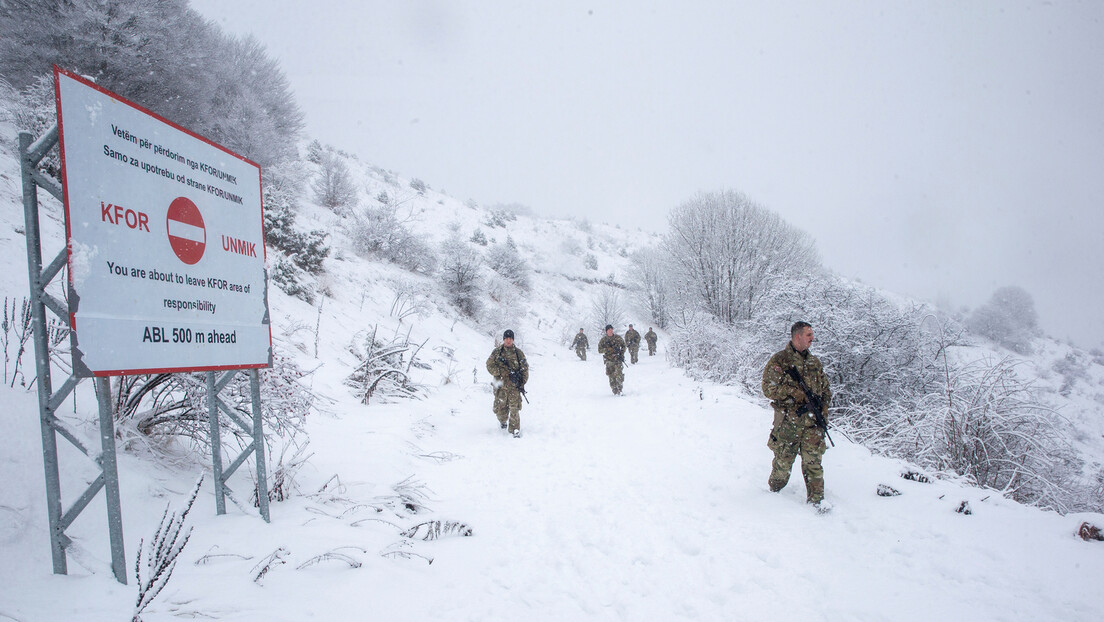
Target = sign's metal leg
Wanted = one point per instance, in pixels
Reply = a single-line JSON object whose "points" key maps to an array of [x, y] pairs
{"points": [[107, 461], [216, 444], [258, 443]]}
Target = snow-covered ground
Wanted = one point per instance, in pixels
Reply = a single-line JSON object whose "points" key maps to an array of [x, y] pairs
{"points": [[651, 506]]}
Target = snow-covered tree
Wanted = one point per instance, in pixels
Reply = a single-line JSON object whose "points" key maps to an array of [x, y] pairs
{"points": [[607, 308], [505, 260], [648, 278], [458, 272], [1008, 318], [163, 56], [733, 253], [334, 186]]}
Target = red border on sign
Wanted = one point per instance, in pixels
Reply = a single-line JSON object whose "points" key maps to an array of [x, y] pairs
{"points": [[58, 71]]}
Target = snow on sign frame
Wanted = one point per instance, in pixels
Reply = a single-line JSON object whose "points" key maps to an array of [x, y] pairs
{"points": [[165, 241]]}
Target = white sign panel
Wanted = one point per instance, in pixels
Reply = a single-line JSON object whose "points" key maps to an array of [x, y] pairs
{"points": [[166, 249]]}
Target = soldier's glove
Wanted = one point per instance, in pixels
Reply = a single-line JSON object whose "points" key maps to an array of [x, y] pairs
{"points": [[798, 395]]}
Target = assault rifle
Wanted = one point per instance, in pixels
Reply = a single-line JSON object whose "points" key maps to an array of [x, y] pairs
{"points": [[515, 377], [813, 405]]}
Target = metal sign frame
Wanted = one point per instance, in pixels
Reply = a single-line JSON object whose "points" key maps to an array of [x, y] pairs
{"points": [[256, 446], [31, 153]]}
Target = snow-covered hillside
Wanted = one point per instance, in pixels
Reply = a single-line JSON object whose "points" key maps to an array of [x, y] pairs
{"points": [[651, 506]]}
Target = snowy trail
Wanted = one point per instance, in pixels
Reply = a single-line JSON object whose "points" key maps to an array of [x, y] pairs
{"points": [[653, 506], [586, 500]]}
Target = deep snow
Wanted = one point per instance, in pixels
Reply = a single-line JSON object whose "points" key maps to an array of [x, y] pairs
{"points": [[650, 506]]}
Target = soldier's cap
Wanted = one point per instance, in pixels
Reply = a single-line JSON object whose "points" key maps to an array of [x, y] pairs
{"points": [[609, 326], [509, 334]]}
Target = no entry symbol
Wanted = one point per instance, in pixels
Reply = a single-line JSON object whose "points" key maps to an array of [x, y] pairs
{"points": [[187, 235]]}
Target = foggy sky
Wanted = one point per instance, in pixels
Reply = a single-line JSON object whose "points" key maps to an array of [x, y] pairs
{"points": [[935, 149]]}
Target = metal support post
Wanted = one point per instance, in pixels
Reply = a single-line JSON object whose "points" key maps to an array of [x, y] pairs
{"points": [[216, 445], [107, 461], [258, 443], [254, 428], [31, 153]]}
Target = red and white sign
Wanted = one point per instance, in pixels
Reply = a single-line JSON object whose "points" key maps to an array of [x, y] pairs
{"points": [[143, 199], [187, 236]]}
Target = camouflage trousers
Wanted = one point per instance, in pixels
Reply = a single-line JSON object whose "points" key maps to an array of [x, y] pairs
{"points": [[581, 353], [507, 407], [616, 375], [792, 435], [651, 349], [632, 353]]}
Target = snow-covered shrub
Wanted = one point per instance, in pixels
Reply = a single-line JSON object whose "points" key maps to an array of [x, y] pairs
{"points": [[290, 460], [383, 369], [506, 306], [571, 246], [499, 218], [458, 273], [154, 565], [478, 237], [291, 279], [306, 249], [34, 110], [314, 152], [590, 261], [409, 300], [1072, 368], [996, 431], [418, 185], [381, 233], [334, 186], [174, 406], [1008, 318], [505, 260], [15, 333]]}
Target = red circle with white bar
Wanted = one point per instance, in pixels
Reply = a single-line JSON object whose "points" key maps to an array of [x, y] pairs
{"points": [[187, 235]]}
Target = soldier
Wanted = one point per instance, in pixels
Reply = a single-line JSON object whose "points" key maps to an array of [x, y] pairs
{"points": [[632, 340], [651, 338], [511, 371], [612, 349], [795, 430], [580, 344]]}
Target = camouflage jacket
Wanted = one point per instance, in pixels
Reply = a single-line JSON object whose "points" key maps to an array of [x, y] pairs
{"points": [[632, 338], [650, 337], [784, 392], [581, 341], [504, 360], [612, 348]]}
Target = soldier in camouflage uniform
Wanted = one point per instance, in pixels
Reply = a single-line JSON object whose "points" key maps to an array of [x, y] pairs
{"points": [[508, 366], [580, 344], [612, 349], [632, 340], [795, 430], [651, 338]]}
